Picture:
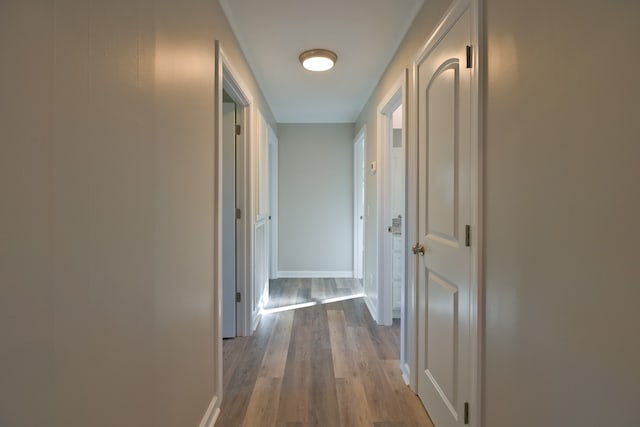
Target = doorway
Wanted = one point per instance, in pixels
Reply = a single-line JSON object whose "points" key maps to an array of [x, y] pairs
{"points": [[229, 219], [358, 206], [393, 289]]}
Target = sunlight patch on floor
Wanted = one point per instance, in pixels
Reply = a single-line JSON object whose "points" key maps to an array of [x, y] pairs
{"points": [[309, 304]]}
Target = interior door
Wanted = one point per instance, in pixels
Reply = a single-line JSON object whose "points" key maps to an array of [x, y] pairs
{"points": [[228, 220], [444, 259]]}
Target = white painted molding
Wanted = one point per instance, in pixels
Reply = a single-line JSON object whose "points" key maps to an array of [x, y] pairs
{"points": [[315, 274], [229, 79], [406, 373], [358, 223], [213, 411]]}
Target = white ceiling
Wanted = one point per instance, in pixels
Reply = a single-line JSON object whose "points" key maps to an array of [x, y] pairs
{"points": [[364, 33]]}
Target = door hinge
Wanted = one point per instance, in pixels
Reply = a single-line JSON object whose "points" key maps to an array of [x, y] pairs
{"points": [[467, 235], [238, 129], [466, 412], [238, 213], [469, 57], [238, 297]]}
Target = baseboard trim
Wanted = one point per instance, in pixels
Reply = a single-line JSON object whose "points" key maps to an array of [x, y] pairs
{"points": [[315, 274], [213, 411], [406, 374]]}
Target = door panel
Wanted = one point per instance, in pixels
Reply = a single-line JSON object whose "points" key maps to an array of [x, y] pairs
{"points": [[442, 101], [444, 123], [228, 220], [442, 330]]}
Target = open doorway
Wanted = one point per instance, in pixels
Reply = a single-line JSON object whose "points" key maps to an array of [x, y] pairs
{"points": [[394, 291], [229, 217], [397, 198], [358, 206]]}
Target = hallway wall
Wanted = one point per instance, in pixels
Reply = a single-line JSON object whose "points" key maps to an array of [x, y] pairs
{"points": [[561, 207], [315, 207], [106, 221]]}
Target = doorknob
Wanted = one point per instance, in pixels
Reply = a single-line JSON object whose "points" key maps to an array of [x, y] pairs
{"points": [[418, 249]]}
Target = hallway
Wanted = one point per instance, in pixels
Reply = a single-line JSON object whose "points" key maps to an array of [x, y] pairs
{"points": [[325, 365]]}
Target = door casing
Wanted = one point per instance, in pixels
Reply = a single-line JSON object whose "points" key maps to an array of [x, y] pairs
{"points": [[396, 96], [358, 204]]}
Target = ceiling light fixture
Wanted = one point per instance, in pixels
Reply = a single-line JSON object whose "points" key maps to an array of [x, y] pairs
{"points": [[318, 59]]}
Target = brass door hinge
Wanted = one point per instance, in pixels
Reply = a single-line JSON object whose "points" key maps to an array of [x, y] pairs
{"points": [[469, 57], [238, 297], [238, 213], [238, 129]]}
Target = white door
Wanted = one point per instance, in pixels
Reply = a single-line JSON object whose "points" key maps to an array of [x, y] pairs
{"points": [[444, 269], [228, 220]]}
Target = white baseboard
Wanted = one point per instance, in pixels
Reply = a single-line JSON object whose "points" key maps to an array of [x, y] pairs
{"points": [[213, 411], [406, 374], [316, 274]]}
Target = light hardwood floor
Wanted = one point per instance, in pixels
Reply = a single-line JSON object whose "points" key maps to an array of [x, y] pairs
{"points": [[325, 365]]}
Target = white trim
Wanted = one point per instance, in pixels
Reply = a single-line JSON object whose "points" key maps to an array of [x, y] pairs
{"points": [[212, 413], [217, 226], [358, 223], [229, 80], [273, 204], [477, 198], [476, 285], [315, 274], [405, 369]]}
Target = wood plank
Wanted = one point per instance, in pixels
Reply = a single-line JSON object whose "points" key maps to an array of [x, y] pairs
{"points": [[264, 403], [294, 393], [384, 405], [275, 357], [343, 365], [384, 341], [232, 354], [355, 312], [324, 410], [409, 403], [354, 410], [237, 395]]}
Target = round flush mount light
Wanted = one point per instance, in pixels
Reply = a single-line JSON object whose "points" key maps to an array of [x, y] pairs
{"points": [[318, 59]]}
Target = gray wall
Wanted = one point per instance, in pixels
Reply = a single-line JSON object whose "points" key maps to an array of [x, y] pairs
{"points": [[315, 189], [107, 212], [562, 204], [562, 200]]}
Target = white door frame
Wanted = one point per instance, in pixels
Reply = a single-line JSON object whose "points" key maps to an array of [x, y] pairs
{"points": [[358, 204], [228, 79], [476, 171], [397, 96], [273, 204]]}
